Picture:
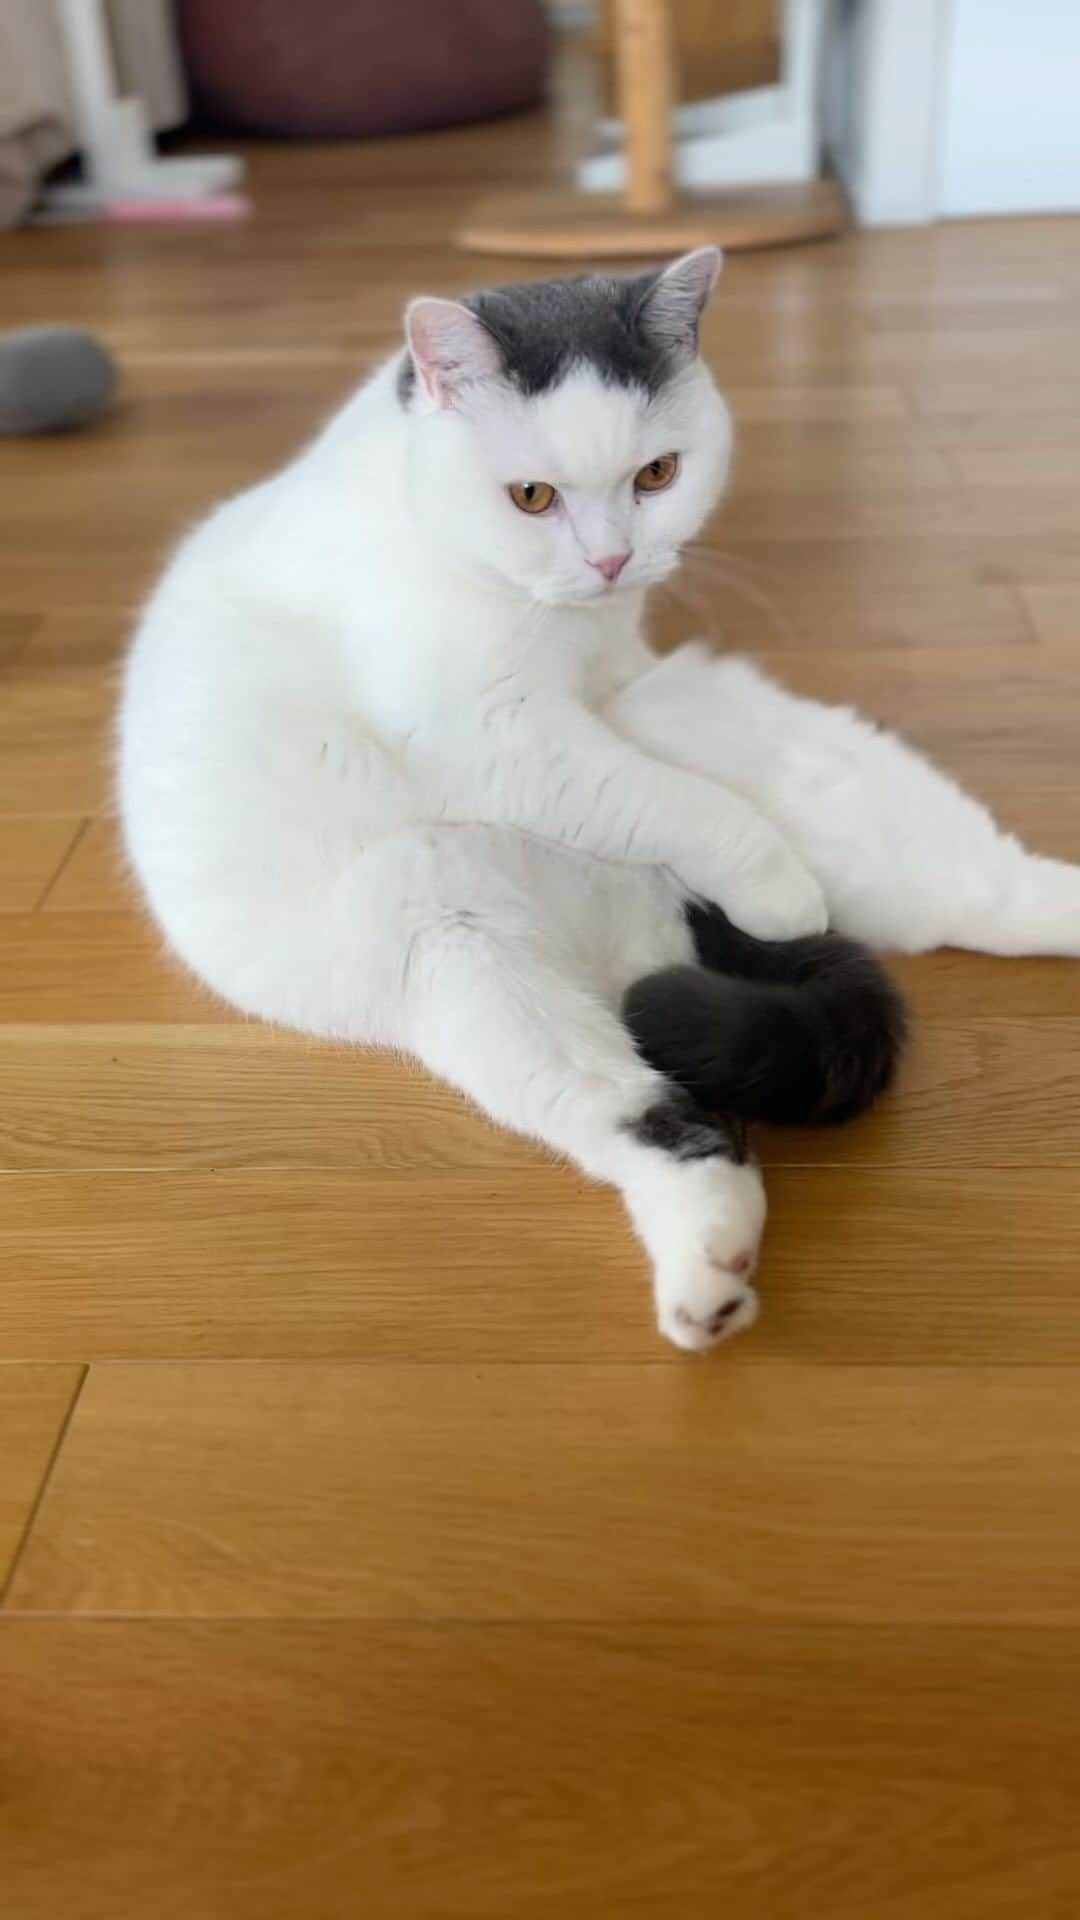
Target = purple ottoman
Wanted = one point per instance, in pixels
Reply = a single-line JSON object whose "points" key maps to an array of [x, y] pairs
{"points": [[343, 69]]}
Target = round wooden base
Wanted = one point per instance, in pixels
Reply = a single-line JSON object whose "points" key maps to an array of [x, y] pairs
{"points": [[563, 224]]}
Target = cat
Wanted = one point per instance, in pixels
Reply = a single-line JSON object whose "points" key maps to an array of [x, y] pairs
{"points": [[396, 766]]}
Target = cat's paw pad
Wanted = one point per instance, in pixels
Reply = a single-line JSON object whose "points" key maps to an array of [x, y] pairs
{"points": [[711, 1304], [706, 1296]]}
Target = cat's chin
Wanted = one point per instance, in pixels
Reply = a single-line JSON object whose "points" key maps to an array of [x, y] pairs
{"points": [[576, 596]]}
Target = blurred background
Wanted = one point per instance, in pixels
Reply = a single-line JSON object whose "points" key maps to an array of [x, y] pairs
{"points": [[924, 109]]}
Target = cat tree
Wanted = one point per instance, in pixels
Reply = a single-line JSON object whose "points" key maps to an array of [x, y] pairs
{"points": [[650, 216]]}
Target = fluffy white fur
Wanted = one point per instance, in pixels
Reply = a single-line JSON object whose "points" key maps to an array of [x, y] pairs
{"points": [[397, 767]]}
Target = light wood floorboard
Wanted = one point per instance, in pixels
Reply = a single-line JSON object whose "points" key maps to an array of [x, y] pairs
{"points": [[435, 1586]]}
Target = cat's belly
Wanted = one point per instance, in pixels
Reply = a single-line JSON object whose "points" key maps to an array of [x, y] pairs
{"points": [[295, 865], [601, 922], [298, 915]]}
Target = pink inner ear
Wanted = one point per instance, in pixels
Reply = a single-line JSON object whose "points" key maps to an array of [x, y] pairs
{"points": [[450, 346]]}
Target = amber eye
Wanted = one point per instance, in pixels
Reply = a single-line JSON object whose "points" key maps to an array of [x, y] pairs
{"points": [[657, 475], [532, 496]]}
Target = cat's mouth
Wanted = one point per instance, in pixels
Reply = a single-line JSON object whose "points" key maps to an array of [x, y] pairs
{"points": [[640, 573], [579, 593]]}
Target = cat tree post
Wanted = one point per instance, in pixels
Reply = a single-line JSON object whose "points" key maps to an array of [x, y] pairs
{"points": [[646, 90], [649, 217]]}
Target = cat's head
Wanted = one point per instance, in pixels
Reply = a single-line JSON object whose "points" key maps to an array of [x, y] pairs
{"points": [[567, 437]]}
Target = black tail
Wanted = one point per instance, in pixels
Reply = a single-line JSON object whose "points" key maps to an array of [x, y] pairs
{"points": [[794, 1032]]}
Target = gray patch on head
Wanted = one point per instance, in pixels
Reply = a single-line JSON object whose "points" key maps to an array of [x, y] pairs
{"points": [[542, 328]]}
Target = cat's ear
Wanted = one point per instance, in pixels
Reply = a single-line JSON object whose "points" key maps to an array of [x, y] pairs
{"points": [[451, 348], [675, 299]]}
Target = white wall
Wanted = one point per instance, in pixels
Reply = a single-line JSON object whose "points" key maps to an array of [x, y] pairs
{"points": [[939, 108], [1010, 108], [881, 104]]}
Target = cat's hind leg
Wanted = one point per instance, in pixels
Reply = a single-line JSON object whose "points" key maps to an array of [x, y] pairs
{"points": [[497, 1003], [905, 858]]}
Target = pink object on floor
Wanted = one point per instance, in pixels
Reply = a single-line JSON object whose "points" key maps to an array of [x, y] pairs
{"points": [[216, 206]]}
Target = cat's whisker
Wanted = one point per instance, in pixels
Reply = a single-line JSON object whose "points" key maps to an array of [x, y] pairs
{"points": [[687, 588]]}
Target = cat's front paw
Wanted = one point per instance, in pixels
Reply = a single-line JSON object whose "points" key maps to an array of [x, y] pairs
{"points": [[775, 897]]}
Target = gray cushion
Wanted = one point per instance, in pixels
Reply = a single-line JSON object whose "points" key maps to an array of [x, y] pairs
{"points": [[52, 377]]}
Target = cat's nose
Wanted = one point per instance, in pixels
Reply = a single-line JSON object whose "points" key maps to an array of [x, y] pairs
{"points": [[611, 565]]}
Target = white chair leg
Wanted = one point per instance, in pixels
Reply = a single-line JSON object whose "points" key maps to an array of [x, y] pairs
{"points": [[119, 159]]}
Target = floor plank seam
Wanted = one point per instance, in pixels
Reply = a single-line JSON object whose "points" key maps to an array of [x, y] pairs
{"points": [[1026, 614], [66, 858], [46, 1480], [789, 1358], [535, 1624]]}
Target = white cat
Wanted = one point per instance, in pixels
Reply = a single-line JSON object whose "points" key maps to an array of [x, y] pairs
{"points": [[397, 767]]}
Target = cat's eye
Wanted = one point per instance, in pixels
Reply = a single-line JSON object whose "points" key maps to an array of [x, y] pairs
{"points": [[657, 475], [532, 496]]}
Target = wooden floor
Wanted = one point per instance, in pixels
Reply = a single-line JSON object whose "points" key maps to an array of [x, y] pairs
{"points": [[366, 1552]]}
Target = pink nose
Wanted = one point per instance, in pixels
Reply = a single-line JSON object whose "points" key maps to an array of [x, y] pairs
{"points": [[611, 565]]}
